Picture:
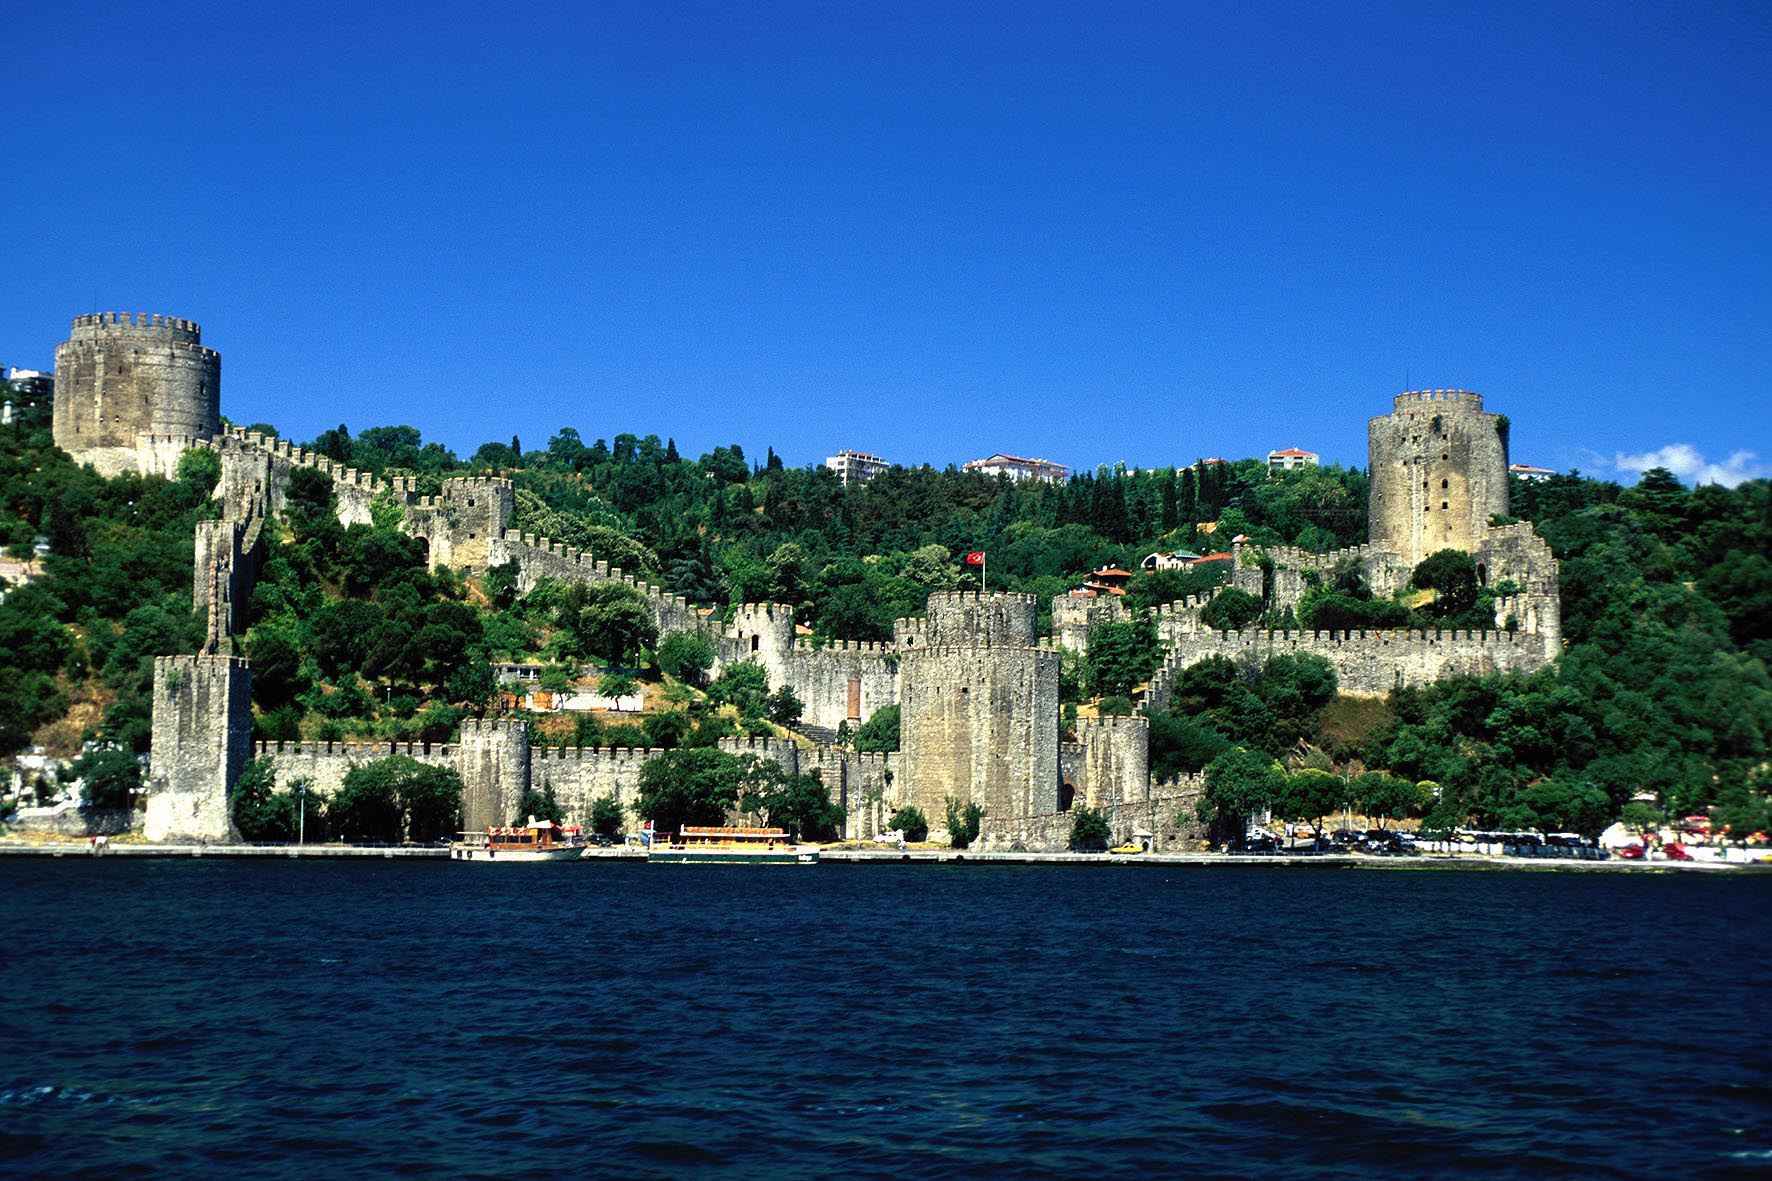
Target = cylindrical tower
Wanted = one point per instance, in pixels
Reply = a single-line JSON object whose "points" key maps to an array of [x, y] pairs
{"points": [[1439, 472], [119, 376]]}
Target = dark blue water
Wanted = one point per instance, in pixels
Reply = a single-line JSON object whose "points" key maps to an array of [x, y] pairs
{"points": [[325, 1019]]}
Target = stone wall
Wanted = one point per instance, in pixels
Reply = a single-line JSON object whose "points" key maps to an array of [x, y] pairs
{"points": [[1366, 663], [1165, 821], [538, 558], [202, 735], [1073, 615], [1114, 764], [1291, 570], [863, 784], [845, 673]]}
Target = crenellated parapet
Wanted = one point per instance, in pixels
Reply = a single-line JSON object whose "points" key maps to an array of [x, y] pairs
{"points": [[1366, 663], [541, 557]]}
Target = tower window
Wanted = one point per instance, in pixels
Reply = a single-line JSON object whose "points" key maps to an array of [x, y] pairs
{"points": [[1442, 504], [753, 643], [1444, 484]]}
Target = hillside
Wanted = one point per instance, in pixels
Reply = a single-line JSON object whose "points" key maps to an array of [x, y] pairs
{"points": [[1663, 686]]}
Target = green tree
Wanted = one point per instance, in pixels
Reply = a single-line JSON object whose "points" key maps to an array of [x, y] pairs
{"points": [[910, 821], [1121, 655], [686, 656], [784, 709], [604, 619], [690, 786], [1452, 576], [1231, 610], [540, 805], [799, 803], [109, 778], [397, 798], [745, 685], [1240, 784], [617, 685], [1310, 795], [880, 732], [1384, 797], [964, 821], [607, 816], [1089, 831]]}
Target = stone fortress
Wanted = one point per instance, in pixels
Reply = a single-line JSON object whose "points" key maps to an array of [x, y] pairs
{"points": [[976, 686]]}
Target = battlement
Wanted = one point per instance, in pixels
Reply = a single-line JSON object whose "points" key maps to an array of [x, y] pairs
{"points": [[1381, 635], [773, 612], [354, 751], [559, 754], [97, 325], [1468, 399], [869, 647], [486, 484], [208, 660], [758, 744], [1291, 556], [963, 598], [1112, 724], [488, 727], [1045, 646], [1185, 606]]}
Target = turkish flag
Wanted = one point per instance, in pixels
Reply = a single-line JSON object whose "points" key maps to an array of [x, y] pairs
{"points": [[975, 558]]}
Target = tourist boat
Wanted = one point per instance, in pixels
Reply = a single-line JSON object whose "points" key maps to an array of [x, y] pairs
{"points": [[539, 840], [729, 846]]}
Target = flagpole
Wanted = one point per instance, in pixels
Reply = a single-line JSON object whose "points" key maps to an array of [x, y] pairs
{"points": [[984, 556]]}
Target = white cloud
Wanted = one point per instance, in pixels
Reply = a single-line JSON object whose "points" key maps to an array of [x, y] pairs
{"points": [[1688, 462]]}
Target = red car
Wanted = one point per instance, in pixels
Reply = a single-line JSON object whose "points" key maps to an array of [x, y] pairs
{"points": [[1631, 853], [1677, 852]]}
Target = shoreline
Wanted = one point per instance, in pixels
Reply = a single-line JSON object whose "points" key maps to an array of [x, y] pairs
{"points": [[1479, 862]]}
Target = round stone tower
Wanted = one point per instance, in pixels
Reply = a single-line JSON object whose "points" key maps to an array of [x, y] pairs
{"points": [[119, 377], [1439, 472]]}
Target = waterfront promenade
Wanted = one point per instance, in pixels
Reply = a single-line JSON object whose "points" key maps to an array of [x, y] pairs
{"points": [[1474, 861]]}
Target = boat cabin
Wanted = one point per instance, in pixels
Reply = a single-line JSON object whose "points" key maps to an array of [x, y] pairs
{"points": [[746, 840], [536, 836]]}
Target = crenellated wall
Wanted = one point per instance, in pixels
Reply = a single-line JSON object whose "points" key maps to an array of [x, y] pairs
{"points": [[1163, 821], [1365, 663], [538, 558], [864, 784]]}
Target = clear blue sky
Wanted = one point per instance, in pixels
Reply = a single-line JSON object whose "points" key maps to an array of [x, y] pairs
{"points": [[1090, 232]]}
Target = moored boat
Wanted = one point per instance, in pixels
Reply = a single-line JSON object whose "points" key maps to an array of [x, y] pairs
{"points": [[539, 840], [727, 845]]}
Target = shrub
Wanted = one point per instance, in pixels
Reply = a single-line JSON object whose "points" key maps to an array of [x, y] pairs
{"points": [[910, 821], [111, 778], [1089, 831], [607, 816], [880, 731], [963, 824]]}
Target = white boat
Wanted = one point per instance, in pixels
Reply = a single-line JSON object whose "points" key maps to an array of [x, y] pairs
{"points": [[539, 840]]}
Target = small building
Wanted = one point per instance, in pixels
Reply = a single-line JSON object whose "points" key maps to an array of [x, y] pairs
{"points": [[1526, 471], [1173, 560], [1019, 468], [855, 467], [1290, 460], [1108, 580]]}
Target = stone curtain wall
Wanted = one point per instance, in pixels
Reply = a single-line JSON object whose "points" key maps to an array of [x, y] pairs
{"points": [[1168, 815], [820, 677], [864, 784], [538, 558], [1385, 572], [119, 376], [1365, 663], [1073, 616]]}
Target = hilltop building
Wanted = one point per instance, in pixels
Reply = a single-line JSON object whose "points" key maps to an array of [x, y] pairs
{"points": [[856, 467], [1018, 468], [136, 391], [1290, 460]]}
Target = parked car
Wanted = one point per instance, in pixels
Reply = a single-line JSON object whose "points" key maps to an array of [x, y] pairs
{"points": [[1631, 852], [1674, 851], [1256, 842]]}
